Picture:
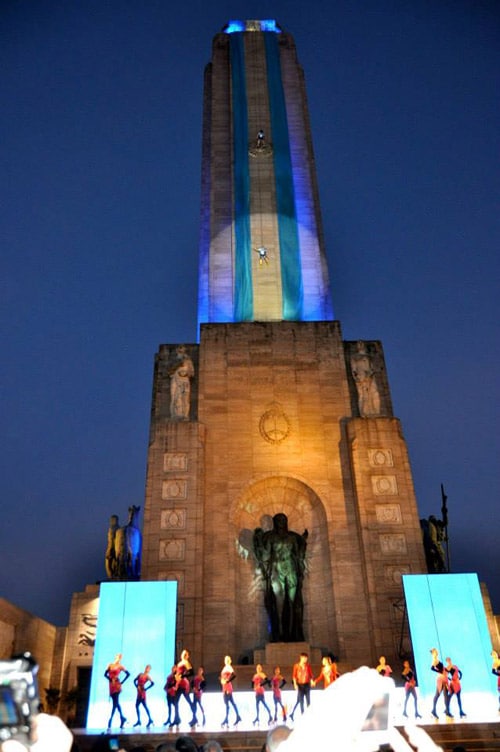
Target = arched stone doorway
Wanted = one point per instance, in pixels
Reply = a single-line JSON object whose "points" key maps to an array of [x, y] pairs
{"points": [[254, 508]]}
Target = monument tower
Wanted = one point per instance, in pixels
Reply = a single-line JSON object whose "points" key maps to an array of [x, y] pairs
{"points": [[272, 413]]}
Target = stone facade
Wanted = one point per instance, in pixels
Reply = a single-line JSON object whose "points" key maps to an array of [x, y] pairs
{"points": [[21, 631], [276, 429]]}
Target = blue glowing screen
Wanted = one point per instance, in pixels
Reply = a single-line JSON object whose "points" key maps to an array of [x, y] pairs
{"points": [[136, 619], [446, 611]]}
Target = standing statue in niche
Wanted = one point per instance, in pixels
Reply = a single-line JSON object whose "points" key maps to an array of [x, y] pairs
{"points": [[364, 376], [281, 555], [123, 553], [181, 371]]}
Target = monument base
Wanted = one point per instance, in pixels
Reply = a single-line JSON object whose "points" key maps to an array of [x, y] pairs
{"points": [[285, 654]]}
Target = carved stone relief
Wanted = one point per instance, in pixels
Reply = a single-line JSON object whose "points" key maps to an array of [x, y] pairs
{"points": [[393, 543], [174, 576], [384, 485], [173, 519], [174, 461], [172, 549], [388, 514], [394, 573], [380, 458], [174, 489]]}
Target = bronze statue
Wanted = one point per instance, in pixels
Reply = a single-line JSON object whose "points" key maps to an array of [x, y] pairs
{"points": [[435, 538], [123, 553], [110, 558], [281, 556]]}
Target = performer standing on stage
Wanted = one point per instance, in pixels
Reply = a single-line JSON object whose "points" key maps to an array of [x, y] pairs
{"points": [[495, 669], [199, 685], [227, 676], [455, 687], [410, 691], [170, 692], [302, 680], [383, 668], [141, 682], [277, 683], [259, 680], [328, 672], [442, 685], [185, 674], [112, 674]]}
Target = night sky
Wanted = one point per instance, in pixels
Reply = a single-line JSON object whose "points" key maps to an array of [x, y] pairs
{"points": [[100, 145]]}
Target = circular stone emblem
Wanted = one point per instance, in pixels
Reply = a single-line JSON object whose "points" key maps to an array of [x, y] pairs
{"points": [[274, 425]]}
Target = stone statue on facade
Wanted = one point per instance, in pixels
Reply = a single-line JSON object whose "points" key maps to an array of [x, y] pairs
{"points": [[281, 556], [363, 374], [124, 549], [181, 371]]}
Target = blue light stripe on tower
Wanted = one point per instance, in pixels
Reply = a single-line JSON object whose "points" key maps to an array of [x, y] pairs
{"points": [[243, 296], [291, 276]]}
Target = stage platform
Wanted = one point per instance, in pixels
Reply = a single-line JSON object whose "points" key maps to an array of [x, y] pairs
{"points": [[475, 737]]}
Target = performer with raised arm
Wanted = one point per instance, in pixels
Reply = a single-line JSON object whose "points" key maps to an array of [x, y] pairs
{"points": [[442, 684], [185, 677]]}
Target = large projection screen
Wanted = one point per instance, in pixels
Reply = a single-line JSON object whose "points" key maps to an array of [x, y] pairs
{"points": [[446, 611], [136, 619]]}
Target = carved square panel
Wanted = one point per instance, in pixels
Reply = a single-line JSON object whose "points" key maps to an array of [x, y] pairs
{"points": [[393, 543], [173, 519], [174, 576], [394, 573], [388, 514], [384, 485], [175, 461], [380, 458], [174, 488], [172, 549]]}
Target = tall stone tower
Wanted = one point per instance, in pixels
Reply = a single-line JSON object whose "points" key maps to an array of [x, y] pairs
{"points": [[272, 412]]}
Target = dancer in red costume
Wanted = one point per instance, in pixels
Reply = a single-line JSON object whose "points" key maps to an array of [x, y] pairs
{"points": [[495, 669], [328, 673], [185, 673], [199, 685], [227, 676], [277, 683], [143, 682], [259, 680], [442, 684], [170, 692], [455, 687], [410, 691], [112, 674], [302, 679]]}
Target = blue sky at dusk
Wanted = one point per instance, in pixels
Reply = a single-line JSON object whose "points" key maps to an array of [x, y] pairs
{"points": [[100, 147]]}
